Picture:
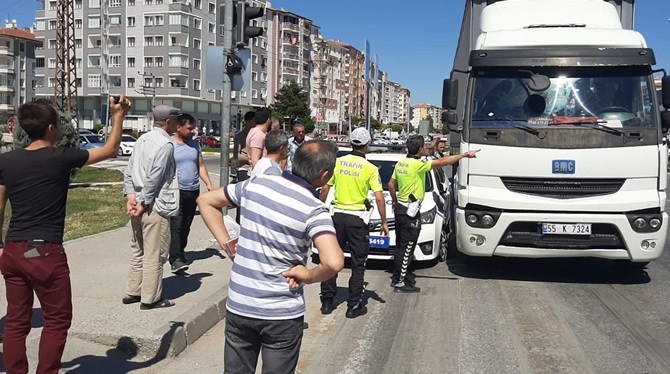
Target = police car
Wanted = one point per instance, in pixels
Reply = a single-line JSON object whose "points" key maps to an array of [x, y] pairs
{"points": [[432, 239]]}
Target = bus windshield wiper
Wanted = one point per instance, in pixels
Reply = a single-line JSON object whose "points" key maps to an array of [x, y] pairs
{"points": [[597, 125], [519, 126]]}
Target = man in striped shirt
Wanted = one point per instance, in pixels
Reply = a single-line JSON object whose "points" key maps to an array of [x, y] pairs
{"points": [[281, 216]]}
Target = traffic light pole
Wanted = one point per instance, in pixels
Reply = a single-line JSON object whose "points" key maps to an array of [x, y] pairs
{"points": [[225, 95]]}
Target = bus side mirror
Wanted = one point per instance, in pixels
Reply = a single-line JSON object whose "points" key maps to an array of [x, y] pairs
{"points": [[450, 94], [665, 121], [665, 91]]}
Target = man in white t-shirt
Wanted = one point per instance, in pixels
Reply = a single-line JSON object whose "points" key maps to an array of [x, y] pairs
{"points": [[276, 143]]}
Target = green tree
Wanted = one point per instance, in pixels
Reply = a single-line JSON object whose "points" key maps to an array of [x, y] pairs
{"points": [[375, 125], [396, 128], [292, 101]]}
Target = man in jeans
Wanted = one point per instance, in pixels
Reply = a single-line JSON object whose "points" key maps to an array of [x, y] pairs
{"points": [[152, 194], [190, 168], [266, 304], [36, 181]]}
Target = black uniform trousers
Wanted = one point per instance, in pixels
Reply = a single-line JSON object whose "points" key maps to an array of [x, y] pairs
{"points": [[353, 231], [407, 231]]}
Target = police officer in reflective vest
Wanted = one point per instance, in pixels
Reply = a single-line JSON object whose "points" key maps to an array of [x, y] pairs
{"points": [[353, 178], [410, 175]]}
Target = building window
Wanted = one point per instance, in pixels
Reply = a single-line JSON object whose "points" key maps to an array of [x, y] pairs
{"points": [[254, 94], [78, 4], [148, 20], [115, 20], [160, 21], [131, 41], [148, 41], [39, 25], [93, 61], [52, 63], [179, 19], [147, 82], [131, 21], [94, 3], [196, 44], [52, 82], [196, 84], [148, 62], [196, 64], [254, 59], [52, 25], [198, 4], [52, 43], [158, 2], [254, 76], [211, 28], [131, 62], [159, 82], [177, 61], [212, 8], [221, 30], [131, 2], [94, 23], [115, 61], [115, 3], [115, 80], [131, 82], [39, 62], [78, 23], [158, 61], [94, 80], [158, 41], [197, 23], [78, 43], [52, 5]]}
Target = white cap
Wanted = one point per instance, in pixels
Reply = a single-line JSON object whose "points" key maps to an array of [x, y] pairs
{"points": [[360, 136]]}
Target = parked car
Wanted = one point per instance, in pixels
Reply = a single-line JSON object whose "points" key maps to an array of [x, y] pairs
{"points": [[432, 241], [127, 145], [212, 142], [88, 141], [84, 131]]}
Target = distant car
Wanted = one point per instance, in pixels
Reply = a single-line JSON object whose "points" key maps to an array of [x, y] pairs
{"points": [[432, 241], [212, 142], [89, 141], [84, 131], [127, 145]]}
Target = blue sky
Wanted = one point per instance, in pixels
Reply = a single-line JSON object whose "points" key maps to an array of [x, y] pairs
{"points": [[415, 40]]}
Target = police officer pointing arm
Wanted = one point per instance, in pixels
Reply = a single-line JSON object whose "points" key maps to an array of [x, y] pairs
{"points": [[410, 175], [353, 178]]}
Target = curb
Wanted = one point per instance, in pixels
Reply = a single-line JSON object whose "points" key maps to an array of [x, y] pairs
{"points": [[211, 153], [93, 184], [172, 338]]}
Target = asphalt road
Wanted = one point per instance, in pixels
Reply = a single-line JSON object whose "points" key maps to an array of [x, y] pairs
{"points": [[496, 316]]}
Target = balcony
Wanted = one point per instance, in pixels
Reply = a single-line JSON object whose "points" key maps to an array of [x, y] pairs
{"points": [[291, 56], [5, 51], [6, 88], [290, 26], [290, 71], [6, 107], [7, 69]]}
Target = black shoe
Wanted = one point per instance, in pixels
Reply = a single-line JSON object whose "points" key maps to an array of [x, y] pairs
{"points": [[406, 288], [179, 265], [130, 299], [163, 303], [327, 306], [356, 310]]}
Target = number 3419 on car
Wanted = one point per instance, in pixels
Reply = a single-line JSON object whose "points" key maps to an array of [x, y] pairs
{"points": [[566, 228]]}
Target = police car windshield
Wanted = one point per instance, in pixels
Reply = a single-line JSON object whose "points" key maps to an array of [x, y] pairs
{"points": [[386, 171]]}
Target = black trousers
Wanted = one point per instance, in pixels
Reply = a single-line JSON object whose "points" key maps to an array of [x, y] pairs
{"points": [[353, 231], [407, 231], [277, 341], [180, 225]]}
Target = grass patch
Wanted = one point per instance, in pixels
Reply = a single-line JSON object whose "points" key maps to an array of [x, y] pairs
{"points": [[217, 150], [90, 211], [89, 174]]}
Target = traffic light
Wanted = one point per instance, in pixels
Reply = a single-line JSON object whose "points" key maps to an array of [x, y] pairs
{"points": [[243, 16]]}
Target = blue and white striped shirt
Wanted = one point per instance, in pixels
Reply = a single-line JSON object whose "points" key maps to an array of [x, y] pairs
{"points": [[280, 216]]}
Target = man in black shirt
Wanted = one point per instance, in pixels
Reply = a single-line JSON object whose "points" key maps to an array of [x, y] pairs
{"points": [[36, 180]]}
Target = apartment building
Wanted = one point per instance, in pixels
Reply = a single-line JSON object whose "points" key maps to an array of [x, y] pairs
{"points": [[395, 102], [156, 55], [17, 67], [330, 87], [290, 49], [421, 112]]}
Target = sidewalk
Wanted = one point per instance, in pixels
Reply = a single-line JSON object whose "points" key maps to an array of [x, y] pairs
{"points": [[99, 265]]}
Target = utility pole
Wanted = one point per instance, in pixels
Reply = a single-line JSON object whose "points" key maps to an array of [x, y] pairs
{"points": [[225, 95], [65, 94]]}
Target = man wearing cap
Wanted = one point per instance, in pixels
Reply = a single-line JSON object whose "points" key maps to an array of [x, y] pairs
{"points": [[152, 192], [353, 178]]}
